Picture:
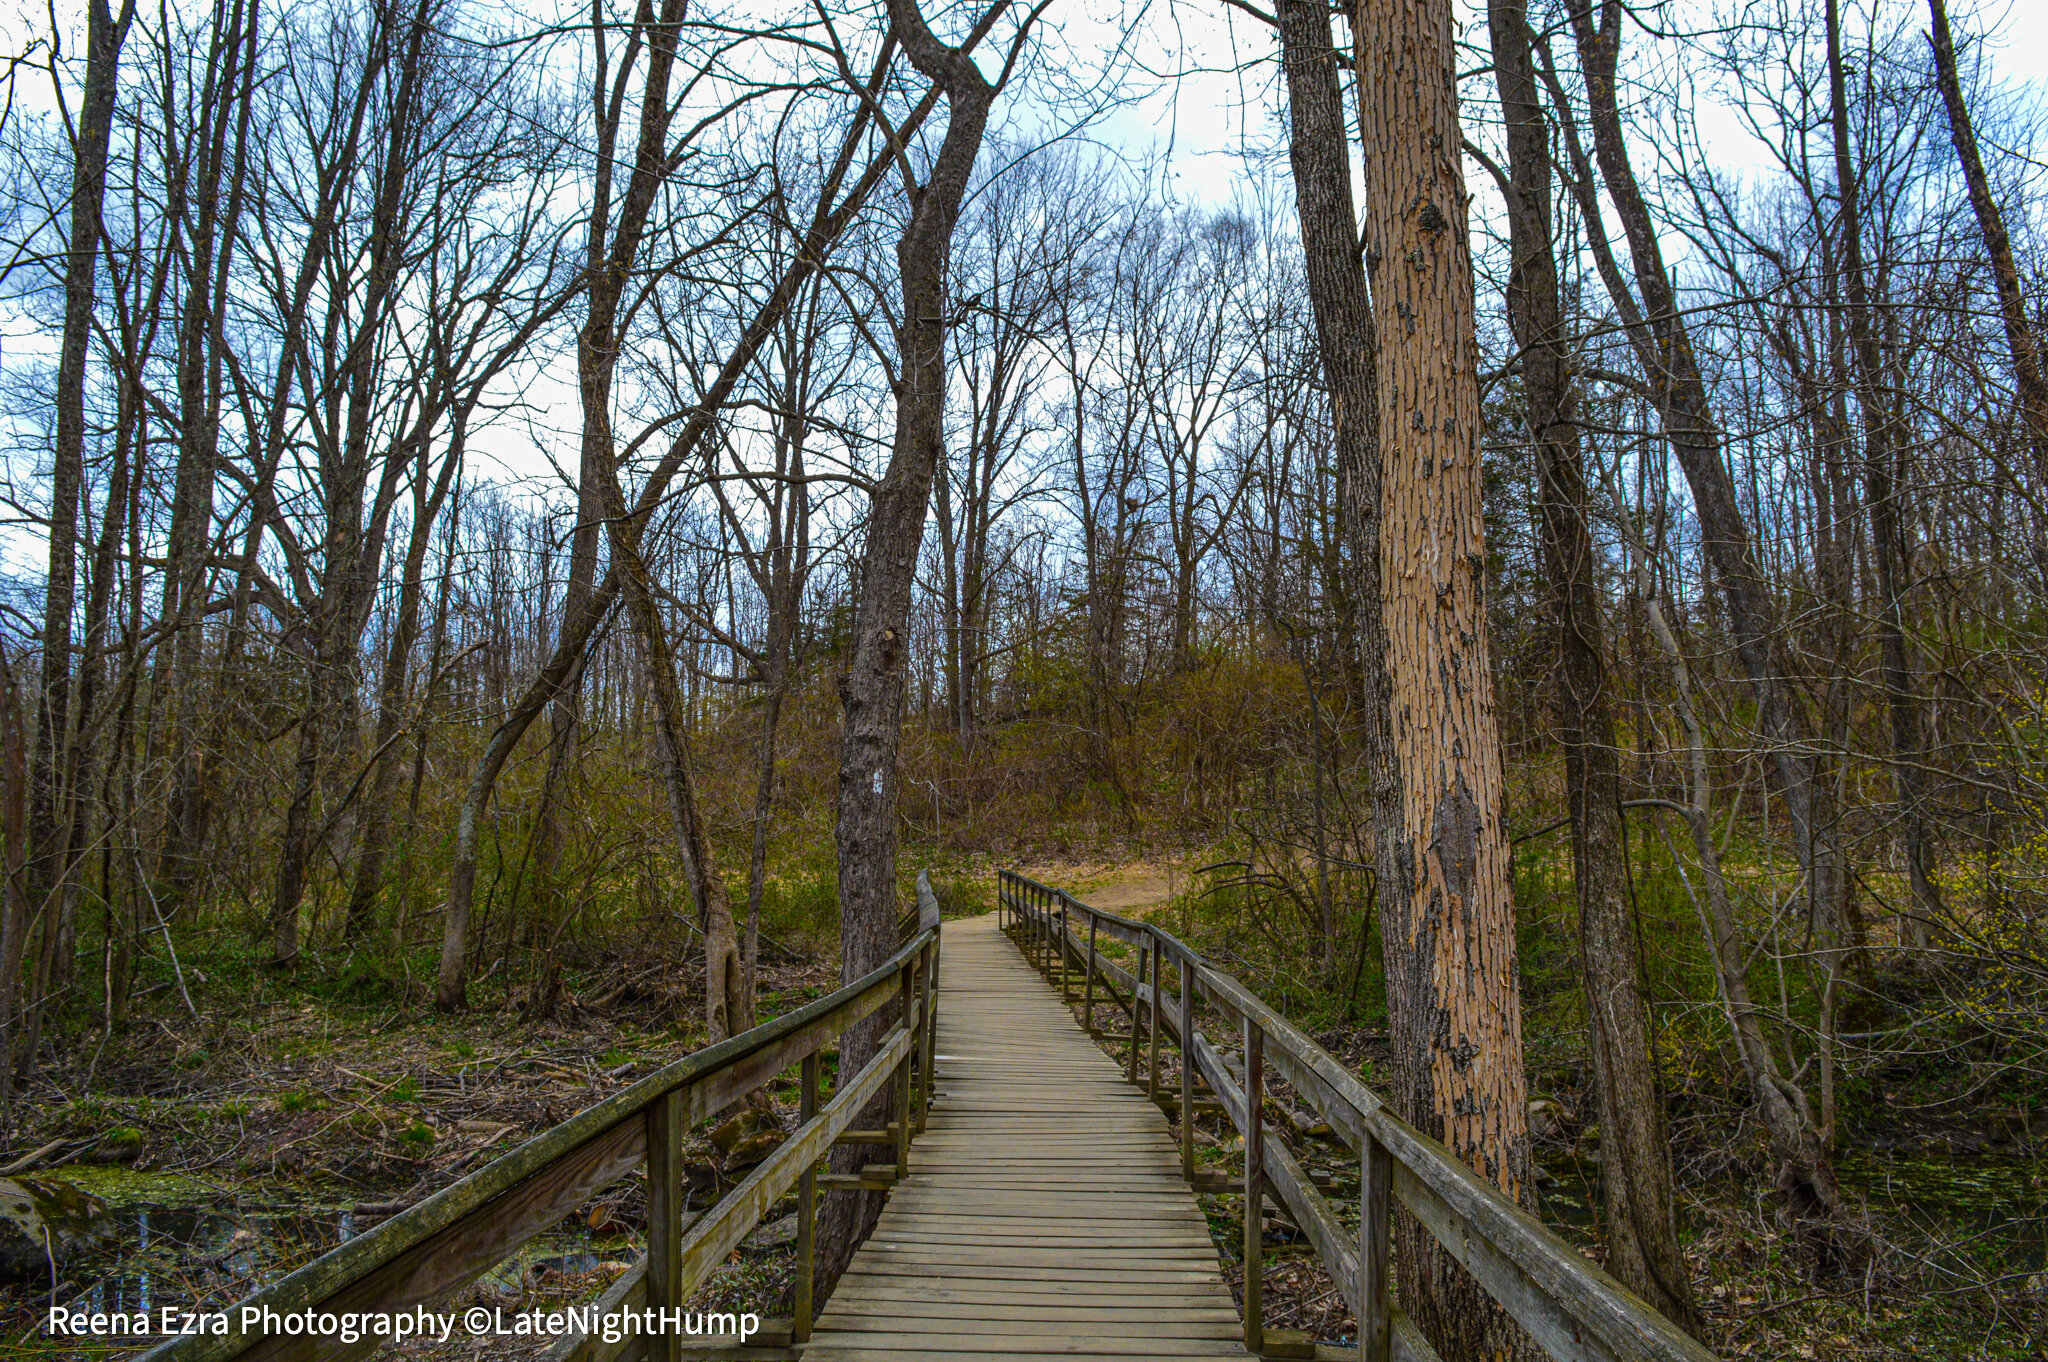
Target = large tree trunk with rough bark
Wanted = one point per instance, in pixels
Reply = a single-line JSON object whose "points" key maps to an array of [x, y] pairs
{"points": [[1454, 1000], [1635, 1175]]}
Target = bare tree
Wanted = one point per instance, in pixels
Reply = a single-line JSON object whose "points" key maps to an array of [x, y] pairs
{"points": [[1635, 1183], [872, 686], [1662, 343], [53, 761]]}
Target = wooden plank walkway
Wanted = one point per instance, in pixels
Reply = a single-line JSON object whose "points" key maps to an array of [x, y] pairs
{"points": [[1045, 1215]]}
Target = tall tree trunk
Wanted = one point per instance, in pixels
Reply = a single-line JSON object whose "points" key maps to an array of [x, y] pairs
{"points": [[1454, 1001], [1635, 1177], [352, 547], [1805, 1177], [375, 836], [872, 686], [725, 1001], [53, 763], [1663, 346], [201, 343], [787, 564], [2005, 273], [611, 256], [1319, 154]]}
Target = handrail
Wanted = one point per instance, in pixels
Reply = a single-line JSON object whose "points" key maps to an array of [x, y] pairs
{"points": [[1571, 1308], [470, 1226]]}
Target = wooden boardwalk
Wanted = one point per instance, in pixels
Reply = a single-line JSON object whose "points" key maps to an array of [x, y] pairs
{"points": [[1045, 1214]]}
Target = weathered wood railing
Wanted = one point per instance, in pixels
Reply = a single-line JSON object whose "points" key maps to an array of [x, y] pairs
{"points": [[1576, 1312], [467, 1228]]}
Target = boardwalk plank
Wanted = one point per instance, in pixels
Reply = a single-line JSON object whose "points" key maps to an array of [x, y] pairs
{"points": [[1045, 1215]]}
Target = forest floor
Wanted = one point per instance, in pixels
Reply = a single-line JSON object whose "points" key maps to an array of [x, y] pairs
{"points": [[235, 1149]]}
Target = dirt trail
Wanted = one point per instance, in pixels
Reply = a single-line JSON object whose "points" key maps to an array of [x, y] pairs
{"points": [[1131, 889]]}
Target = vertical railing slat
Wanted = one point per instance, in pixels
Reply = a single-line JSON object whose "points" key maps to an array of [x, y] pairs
{"points": [[1376, 1188], [1152, 1084], [903, 1077], [1088, 988], [1066, 989], [930, 1021], [666, 1184], [1187, 1066], [1137, 1017], [1254, 1186], [806, 1209]]}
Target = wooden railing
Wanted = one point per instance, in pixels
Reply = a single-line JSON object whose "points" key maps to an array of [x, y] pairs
{"points": [[1576, 1312], [467, 1228]]}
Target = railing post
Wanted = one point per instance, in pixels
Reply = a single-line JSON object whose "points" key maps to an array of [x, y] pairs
{"points": [[903, 1078], [1187, 1067], [1137, 988], [926, 1059], [1088, 985], [665, 1187], [1152, 1085], [806, 1210], [1066, 989], [1254, 1184], [1376, 1187]]}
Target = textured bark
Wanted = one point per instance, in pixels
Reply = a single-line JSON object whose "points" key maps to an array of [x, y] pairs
{"points": [[1635, 1176], [1454, 1000]]}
